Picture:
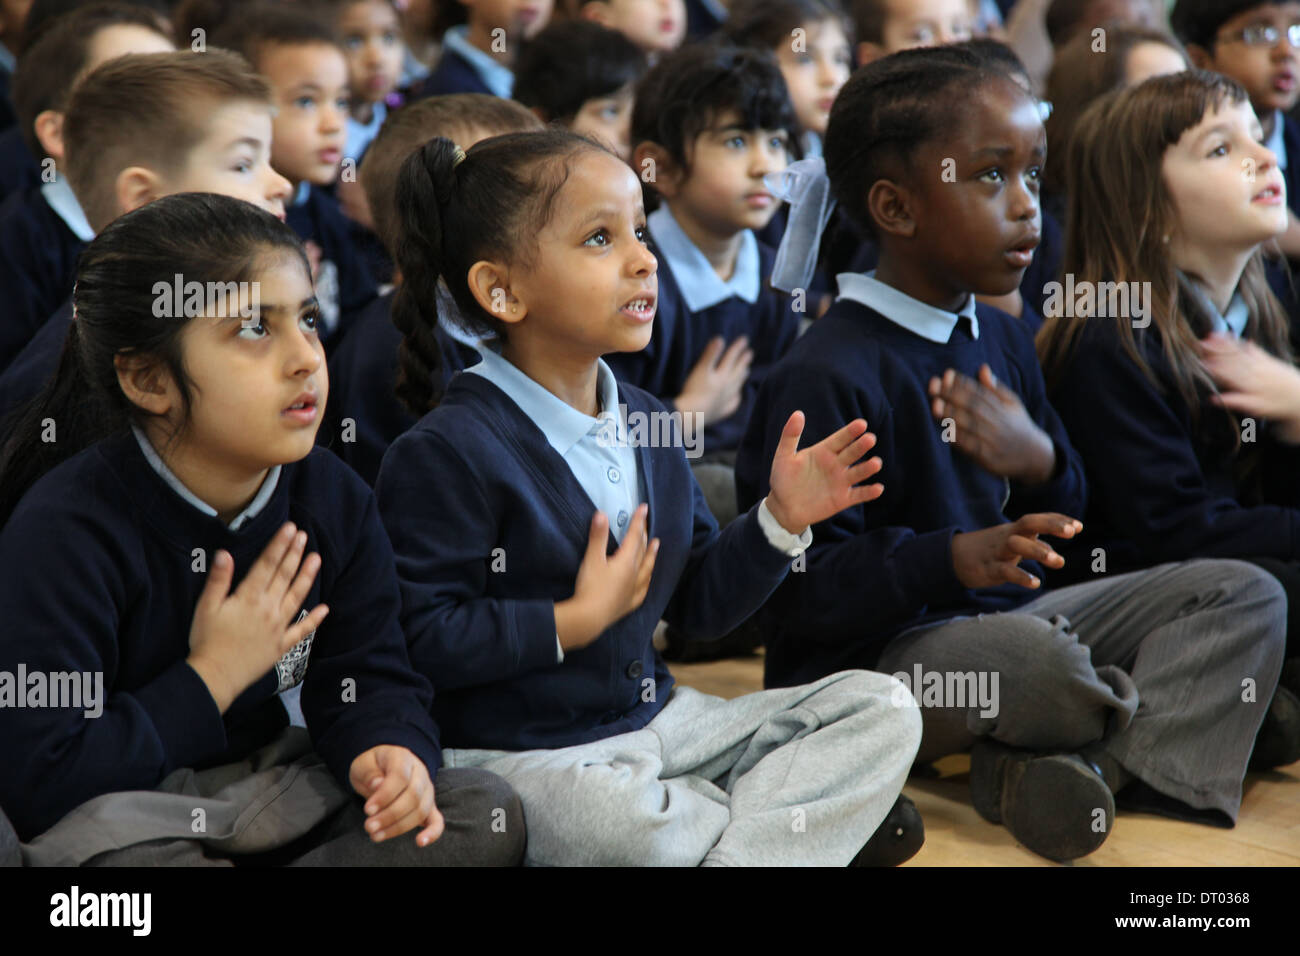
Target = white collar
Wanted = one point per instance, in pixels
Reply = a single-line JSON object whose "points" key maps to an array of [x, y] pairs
{"points": [[930, 323], [254, 508]]}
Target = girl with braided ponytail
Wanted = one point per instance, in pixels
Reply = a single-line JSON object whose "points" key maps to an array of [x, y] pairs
{"points": [[171, 531], [541, 534]]}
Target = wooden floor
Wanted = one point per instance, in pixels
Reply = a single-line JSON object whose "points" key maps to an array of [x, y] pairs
{"points": [[1267, 831]]}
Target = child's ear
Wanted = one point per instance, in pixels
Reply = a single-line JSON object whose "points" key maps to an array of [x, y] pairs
{"points": [[489, 283], [144, 382], [134, 187], [889, 206], [868, 51], [654, 165], [49, 133], [1201, 58]]}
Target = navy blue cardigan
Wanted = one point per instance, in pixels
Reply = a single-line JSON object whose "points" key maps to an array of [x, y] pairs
{"points": [[31, 368], [490, 526], [38, 265], [363, 374], [1162, 486], [877, 569], [320, 219], [680, 336], [453, 74], [97, 574]]}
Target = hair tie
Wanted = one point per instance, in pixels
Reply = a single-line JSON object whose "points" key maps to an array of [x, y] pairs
{"points": [[459, 158], [805, 186]]}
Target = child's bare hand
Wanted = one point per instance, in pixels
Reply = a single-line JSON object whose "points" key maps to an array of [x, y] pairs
{"points": [[811, 485], [1254, 382], [399, 794], [992, 556], [236, 638], [715, 385], [992, 426], [609, 587]]}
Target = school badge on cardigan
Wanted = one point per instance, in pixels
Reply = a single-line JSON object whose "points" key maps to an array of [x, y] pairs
{"points": [[292, 668]]}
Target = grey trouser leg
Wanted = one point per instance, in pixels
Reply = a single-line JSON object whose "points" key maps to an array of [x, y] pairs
{"points": [[484, 827], [793, 776], [1173, 667]]}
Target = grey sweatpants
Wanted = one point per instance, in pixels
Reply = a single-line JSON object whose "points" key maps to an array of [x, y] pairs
{"points": [[1171, 668], [794, 776]]}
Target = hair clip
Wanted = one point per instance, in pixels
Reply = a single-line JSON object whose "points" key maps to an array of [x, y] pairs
{"points": [[459, 158]]}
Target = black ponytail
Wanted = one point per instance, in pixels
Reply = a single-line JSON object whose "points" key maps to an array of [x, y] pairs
{"points": [[490, 205], [200, 237]]}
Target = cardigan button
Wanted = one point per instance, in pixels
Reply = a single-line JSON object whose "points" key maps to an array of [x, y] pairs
{"points": [[634, 670]]}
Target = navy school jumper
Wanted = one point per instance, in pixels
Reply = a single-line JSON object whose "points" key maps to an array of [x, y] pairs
{"points": [[453, 74], [876, 569], [363, 373], [320, 219], [31, 368], [680, 336], [97, 574], [38, 265], [1162, 486], [489, 526]]}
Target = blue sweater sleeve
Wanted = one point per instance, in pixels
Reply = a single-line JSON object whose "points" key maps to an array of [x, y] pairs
{"points": [[444, 532], [360, 690], [64, 592], [1145, 472]]}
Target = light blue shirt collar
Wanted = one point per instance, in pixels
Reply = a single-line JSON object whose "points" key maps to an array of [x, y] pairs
{"points": [[1276, 140], [812, 145], [248, 514], [499, 79], [930, 323], [360, 135], [562, 424], [60, 197], [8, 62], [701, 287], [300, 194], [1233, 321]]}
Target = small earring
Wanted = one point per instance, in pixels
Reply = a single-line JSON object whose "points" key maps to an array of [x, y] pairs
{"points": [[515, 308], [1165, 240]]}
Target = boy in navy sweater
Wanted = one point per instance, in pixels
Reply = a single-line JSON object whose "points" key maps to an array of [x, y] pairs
{"points": [[42, 226], [709, 123], [928, 580], [308, 74], [479, 46], [144, 127], [1255, 43], [366, 415]]}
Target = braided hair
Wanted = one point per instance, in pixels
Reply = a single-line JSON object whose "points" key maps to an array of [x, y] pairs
{"points": [[454, 212]]}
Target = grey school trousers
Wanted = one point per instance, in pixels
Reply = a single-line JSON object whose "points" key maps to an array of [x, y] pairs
{"points": [[1172, 669], [794, 776], [279, 806]]}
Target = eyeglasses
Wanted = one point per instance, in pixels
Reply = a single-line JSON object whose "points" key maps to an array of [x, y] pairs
{"points": [[1264, 35]]}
